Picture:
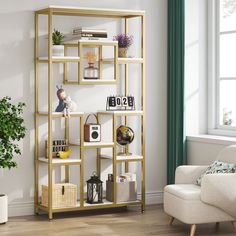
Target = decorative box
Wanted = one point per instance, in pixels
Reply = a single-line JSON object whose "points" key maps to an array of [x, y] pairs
{"points": [[125, 191], [63, 195], [57, 145]]}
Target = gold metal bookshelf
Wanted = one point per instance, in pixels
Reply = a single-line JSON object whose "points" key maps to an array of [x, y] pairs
{"points": [[124, 15]]}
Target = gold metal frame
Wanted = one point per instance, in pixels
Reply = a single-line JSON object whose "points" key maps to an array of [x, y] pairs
{"points": [[95, 44], [104, 13]]}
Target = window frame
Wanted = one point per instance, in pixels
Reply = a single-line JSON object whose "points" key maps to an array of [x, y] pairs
{"points": [[214, 126]]}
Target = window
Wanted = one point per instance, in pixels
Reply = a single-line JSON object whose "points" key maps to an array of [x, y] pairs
{"points": [[222, 58]]}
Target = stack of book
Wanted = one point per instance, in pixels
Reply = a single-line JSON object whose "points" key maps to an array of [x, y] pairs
{"points": [[80, 33], [89, 33]]}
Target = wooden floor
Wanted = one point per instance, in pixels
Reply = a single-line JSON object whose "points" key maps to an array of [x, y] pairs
{"points": [[125, 222]]}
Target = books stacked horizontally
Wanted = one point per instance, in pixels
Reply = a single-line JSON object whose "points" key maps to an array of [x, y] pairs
{"points": [[90, 33], [81, 33]]}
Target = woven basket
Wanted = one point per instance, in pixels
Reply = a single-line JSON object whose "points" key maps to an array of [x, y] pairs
{"points": [[63, 195]]}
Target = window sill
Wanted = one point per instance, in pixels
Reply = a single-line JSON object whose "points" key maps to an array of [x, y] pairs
{"points": [[214, 139]]}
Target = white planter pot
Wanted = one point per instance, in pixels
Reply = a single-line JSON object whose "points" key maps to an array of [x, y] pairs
{"points": [[58, 50], [3, 209]]}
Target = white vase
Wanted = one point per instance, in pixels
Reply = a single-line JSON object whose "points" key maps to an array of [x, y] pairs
{"points": [[58, 50], [3, 209]]}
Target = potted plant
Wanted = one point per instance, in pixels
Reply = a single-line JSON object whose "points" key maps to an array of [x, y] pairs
{"points": [[58, 48], [12, 129], [124, 42]]}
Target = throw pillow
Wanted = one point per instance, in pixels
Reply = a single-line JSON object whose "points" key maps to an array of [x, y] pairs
{"points": [[218, 167]]}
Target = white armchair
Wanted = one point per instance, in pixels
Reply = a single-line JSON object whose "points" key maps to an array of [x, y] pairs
{"points": [[214, 201]]}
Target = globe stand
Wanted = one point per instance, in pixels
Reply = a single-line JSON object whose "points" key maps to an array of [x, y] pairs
{"points": [[125, 152]]}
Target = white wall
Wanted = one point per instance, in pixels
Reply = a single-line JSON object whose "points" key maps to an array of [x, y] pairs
{"points": [[196, 66], [17, 81]]}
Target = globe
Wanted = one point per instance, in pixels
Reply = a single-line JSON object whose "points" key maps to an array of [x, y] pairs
{"points": [[124, 135]]}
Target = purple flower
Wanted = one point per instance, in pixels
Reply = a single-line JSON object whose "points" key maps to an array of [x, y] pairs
{"points": [[124, 40]]}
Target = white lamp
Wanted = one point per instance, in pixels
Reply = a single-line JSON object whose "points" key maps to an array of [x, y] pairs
{"points": [[3, 209]]}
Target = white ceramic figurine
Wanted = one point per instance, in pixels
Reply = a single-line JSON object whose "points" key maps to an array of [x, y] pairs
{"points": [[66, 105]]}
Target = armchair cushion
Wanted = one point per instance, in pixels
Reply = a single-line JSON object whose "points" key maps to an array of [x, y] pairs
{"points": [[219, 190], [188, 174], [218, 167], [184, 191]]}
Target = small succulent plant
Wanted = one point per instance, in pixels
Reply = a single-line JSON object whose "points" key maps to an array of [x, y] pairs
{"points": [[124, 40], [57, 37]]}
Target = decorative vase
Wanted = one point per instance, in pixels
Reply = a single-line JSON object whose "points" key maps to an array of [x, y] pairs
{"points": [[122, 52], [91, 72], [3, 209], [58, 50]]}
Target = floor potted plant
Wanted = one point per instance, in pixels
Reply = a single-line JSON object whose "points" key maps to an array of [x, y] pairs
{"points": [[58, 48], [124, 42], [12, 129]]}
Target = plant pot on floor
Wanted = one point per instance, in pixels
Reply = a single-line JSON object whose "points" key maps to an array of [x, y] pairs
{"points": [[122, 52], [3, 209], [58, 50]]}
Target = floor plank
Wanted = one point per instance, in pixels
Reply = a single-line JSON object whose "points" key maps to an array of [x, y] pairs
{"points": [[110, 222]]}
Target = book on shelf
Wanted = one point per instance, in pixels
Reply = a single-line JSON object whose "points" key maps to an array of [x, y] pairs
{"points": [[76, 38], [89, 32]]}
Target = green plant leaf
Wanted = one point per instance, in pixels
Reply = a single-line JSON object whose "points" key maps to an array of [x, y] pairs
{"points": [[12, 129]]}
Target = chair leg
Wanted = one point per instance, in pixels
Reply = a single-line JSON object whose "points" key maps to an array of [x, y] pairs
{"points": [[234, 224], [171, 220], [217, 225], [193, 230]]}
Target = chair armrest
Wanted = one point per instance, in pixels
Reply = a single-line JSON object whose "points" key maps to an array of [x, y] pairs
{"points": [[219, 190], [188, 174]]}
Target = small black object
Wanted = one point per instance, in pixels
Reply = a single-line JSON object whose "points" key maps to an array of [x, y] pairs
{"points": [[63, 190], [94, 190]]}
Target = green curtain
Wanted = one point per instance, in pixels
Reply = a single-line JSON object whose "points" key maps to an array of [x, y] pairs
{"points": [[176, 148]]}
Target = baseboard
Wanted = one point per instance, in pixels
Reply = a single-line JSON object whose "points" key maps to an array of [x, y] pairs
{"points": [[21, 209], [27, 208], [154, 197]]}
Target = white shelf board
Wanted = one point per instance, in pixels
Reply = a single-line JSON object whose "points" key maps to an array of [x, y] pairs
{"points": [[88, 205], [123, 158], [94, 9], [58, 161], [92, 144], [121, 112], [58, 58], [45, 113], [98, 41], [123, 60], [105, 202], [129, 158], [97, 81]]}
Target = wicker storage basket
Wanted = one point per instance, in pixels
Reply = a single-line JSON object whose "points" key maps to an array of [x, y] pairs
{"points": [[63, 195]]}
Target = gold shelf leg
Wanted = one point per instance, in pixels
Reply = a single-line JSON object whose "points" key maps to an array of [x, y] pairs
{"points": [[98, 155], [80, 64], [50, 214], [143, 108], [82, 161], [36, 121], [67, 167], [65, 77], [126, 93], [114, 158], [100, 61]]}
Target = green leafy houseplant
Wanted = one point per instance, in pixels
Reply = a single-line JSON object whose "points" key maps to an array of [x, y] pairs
{"points": [[12, 129], [57, 37]]}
